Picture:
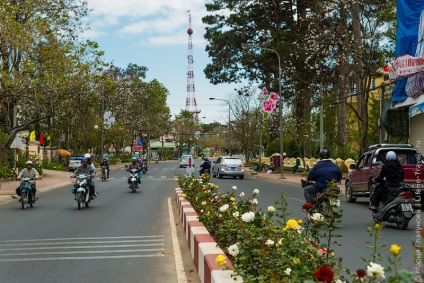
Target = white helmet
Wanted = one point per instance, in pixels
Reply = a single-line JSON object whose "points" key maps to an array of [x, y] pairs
{"points": [[390, 155], [87, 155], [29, 162]]}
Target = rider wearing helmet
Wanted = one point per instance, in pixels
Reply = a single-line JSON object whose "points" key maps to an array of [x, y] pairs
{"points": [[390, 178], [105, 162], [322, 173], [88, 156], [134, 165], [28, 172], [206, 165], [86, 169]]}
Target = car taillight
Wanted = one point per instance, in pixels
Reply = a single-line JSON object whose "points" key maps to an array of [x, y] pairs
{"points": [[223, 165], [405, 195]]}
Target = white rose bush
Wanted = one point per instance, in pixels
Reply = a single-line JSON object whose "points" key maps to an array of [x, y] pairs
{"points": [[269, 246]]}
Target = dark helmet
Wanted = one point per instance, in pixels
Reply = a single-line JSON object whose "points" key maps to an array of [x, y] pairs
{"points": [[205, 159], [134, 159], [324, 153]]}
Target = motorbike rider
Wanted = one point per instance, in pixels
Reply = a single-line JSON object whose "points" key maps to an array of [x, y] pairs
{"points": [[28, 172], [87, 169], [143, 162], [322, 173], [206, 165], [105, 162], [134, 165], [390, 179]]}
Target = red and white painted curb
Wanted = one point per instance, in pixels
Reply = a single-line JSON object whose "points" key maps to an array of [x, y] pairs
{"points": [[203, 247]]}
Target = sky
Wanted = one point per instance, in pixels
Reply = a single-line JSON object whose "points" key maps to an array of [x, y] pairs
{"points": [[154, 34]]}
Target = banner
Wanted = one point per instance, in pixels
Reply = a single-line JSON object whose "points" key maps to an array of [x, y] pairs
{"points": [[409, 49]]}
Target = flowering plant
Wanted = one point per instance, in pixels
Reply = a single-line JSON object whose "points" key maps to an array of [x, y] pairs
{"points": [[269, 102]]}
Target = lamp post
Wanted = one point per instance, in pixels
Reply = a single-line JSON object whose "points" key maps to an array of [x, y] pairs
{"points": [[229, 120], [244, 46]]}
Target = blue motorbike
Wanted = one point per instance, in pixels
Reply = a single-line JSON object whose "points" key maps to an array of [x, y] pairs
{"points": [[27, 196]]}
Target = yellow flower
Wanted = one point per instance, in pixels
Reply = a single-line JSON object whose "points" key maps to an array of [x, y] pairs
{"points": [[333, 254], [296, 261], [277, 245], [232, 199], [184, 195], [292, 224], [209, 213], [379, 225], [203, 202], [221, 260], [395, 249], [285, 229], [300, 221], [176, 179]]}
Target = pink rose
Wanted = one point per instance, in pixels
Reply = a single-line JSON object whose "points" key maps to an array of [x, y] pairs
{"points": [[265, 91], [268, 106], [273, 96]]}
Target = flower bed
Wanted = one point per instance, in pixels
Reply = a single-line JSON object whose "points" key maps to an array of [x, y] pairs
{"points": [[272, 247]]}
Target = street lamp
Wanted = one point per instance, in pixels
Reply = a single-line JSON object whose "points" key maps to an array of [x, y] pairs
{"points": [[244, 46], [229, 120]]}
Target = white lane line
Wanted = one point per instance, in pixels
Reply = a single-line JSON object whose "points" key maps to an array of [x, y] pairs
{"points": [[84, 252], [181, 277], [163, 177], [81, 247], [73, 258], [85, 238], [79, 242], [150, 177]]}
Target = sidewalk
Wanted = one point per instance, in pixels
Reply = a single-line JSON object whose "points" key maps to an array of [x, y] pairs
{"points": [[50, 180]]}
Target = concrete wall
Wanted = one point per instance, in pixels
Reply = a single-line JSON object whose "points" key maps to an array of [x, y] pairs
{"points": [[416, 131]]}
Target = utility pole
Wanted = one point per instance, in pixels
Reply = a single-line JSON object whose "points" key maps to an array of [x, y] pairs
{"points": [[321, 119], [381, 113]]}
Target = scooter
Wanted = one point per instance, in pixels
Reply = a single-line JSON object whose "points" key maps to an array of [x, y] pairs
{"points": [[82, 190], [27, 196], [157, 160], [104, 173], [133, 180], [143, 167], [327, 200], [396, 207]]}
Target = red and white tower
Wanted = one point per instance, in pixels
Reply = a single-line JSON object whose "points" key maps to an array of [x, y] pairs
{"points": [[191, 104]]}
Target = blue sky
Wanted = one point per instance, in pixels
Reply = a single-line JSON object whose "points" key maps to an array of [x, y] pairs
{"points": [[154, 34]]}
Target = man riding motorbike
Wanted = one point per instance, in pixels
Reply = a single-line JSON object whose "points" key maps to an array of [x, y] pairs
{"points": [[206, 165], [28, 172], [105, 162], [390, 179], [322, 173], [86, 169], [134, 165]]}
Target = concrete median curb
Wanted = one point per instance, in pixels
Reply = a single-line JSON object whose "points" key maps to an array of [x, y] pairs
{"points": [[203, 247]]}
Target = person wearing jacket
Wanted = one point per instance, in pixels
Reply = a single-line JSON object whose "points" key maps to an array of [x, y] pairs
{"points": [[134, 165], [28, 172], [390, 178], [105, 163], [206, 165], [324, 172], [87, 169]]}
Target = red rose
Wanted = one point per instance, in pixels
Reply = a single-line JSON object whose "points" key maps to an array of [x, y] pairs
{"points": [[360, 273], [324, 274], [213, 201], [265, 91], [268, 105], [307, 206], [274, 96]]}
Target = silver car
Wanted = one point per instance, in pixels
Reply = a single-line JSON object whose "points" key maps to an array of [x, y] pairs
{"points": [[74, 162], [228, 166]]}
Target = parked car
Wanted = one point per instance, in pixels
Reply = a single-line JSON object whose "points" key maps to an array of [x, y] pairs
{"points": [[358, 183], [74, 162], [228, 166], [184, 160]]}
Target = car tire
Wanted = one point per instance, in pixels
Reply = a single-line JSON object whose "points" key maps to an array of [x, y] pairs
{"points": [[349, 192], [241, 177]]}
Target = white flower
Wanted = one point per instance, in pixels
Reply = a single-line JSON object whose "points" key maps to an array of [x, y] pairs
{"points": [[248, 216], [269, 243], [255, 201], [288, 271], [271, 208], [335, 202], [340, 281], [224, 208], [374, 269], [280, 242], [242, 195], [236, 214], [256, 192], [233, 250], [317, 217], [234, 188]]}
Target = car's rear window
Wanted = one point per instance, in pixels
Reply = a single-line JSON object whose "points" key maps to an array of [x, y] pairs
{"points": [[232, 160], [404, 156], [76, 157]]}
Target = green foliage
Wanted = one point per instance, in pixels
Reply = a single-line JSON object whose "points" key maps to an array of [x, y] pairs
{"points": [[53, 165], [7, 172]]}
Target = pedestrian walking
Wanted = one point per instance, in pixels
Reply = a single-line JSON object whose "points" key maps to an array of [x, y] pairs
{"points": [[297, 165]]}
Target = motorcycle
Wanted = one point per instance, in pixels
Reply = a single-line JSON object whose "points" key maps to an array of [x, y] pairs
{"points": [[27, 197], [325, 202], [133, 180], [144, 167], [104, 173], [157, 160], [82, 190], [396, 207]]}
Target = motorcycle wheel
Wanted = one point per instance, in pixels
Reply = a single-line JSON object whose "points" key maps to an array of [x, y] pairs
{"points": [[24, 201], [80, 198], [402, 221], [87, 204], [103, 176]]}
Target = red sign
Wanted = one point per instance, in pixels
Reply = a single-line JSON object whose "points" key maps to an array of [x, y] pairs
{"points": [[137, 148]]}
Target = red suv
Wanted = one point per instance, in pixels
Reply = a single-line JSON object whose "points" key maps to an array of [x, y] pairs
{"points": [[357, 182]]}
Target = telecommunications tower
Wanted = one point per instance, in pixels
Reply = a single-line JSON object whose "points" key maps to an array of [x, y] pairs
{"points": [[191, 104]]}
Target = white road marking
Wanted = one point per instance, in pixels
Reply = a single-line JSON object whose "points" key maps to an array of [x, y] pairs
{"points": [[79, 258], [177, 252], [82, 247], [86, 238], [79, 242], [84, 252]]}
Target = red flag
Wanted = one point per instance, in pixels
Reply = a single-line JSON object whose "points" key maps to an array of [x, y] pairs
{"points": [[41, 139]]}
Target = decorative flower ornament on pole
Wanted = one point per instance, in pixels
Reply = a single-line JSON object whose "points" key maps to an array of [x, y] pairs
{"points": [[108, 119], [269, 102]]}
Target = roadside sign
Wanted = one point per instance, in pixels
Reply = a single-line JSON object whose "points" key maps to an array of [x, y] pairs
{"points": [[17, 143]]}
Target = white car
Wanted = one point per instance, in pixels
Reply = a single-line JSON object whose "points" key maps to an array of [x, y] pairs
{"points": [[74, 162], [184, 160]]}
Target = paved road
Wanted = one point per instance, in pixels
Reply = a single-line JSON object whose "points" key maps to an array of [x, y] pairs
{"points": [[121, 237]]}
